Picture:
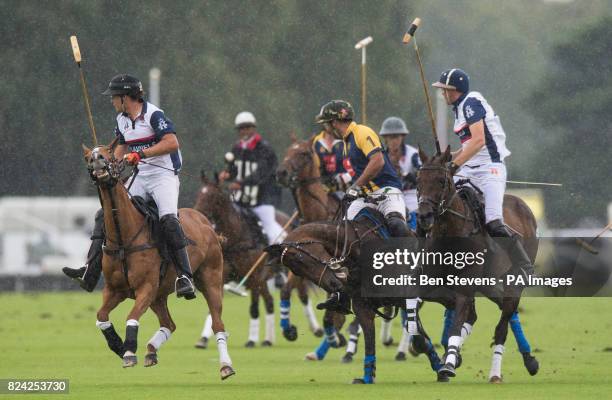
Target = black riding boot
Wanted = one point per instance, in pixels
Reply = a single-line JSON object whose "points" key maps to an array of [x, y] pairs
{"points": [[177, 243], [521, 263], [337, 301], [397, 225], [89, 275]]}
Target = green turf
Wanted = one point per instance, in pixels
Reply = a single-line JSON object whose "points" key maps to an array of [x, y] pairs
{"points": [[54, 336]]}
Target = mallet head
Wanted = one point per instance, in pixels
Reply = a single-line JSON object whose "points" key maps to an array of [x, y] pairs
{"points": [[363, 42]]}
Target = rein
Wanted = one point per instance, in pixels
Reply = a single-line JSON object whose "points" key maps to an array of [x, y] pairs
{"points": [[444, 205]]}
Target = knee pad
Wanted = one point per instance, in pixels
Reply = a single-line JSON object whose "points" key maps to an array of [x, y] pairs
{"points": [[173, 232], [397, 225]]}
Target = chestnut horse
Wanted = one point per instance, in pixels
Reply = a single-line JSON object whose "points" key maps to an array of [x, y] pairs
{"points": [[131, 265]]}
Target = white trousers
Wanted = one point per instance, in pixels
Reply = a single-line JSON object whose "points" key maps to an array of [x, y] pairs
{"points": [[393, 203], [410, 198], [162, 188], [267, 216], [491, 179]]}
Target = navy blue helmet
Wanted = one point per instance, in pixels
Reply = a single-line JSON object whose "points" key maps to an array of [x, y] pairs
{"points": [[454, 79]]}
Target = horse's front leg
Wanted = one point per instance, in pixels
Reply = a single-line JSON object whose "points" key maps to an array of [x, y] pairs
{"points": [[110, 300], [289, 330], [508, 308], [270, 335], [366, 319], [144, 296], [452, 356], [166, 327]]}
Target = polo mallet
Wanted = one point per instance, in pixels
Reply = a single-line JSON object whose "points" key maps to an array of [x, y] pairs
{"points": [[408, 36], [362, 44], [238, 288], [77, 58], [588, 245]]}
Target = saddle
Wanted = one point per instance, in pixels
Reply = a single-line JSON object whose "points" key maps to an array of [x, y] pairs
{"points": [[376, 218], [254, 224], [473, 197]]}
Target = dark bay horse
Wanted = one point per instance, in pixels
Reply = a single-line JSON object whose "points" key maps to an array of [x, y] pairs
{"points": [[241, 248], [315, 202], [444, 213], [131, 265]]}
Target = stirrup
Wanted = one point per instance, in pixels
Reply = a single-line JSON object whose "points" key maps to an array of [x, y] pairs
{"points": [[188, 291]]}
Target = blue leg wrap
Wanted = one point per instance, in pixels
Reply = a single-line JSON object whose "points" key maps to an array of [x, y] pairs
{"points": [[404, 315], [369, 368], [517, 329], [321, 351], [449, 315], [330, 336], [284, 314], [432, 355], [412, 221]]}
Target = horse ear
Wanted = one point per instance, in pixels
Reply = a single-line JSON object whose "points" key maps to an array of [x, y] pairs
{"points": [[203, 177], [293, 137], [216, 176], [446, 157], [86, 151], [423, 156], [113, 144]]}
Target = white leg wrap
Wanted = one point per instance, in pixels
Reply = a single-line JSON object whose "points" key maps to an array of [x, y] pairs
{"points": [[496, 362], [270, 332], [311, 317], [404, 341], [160, 337], [224, 358], [454, 343], [132, 322], [385, 330], [254, 330], [411, 316], [103, 325], [351, 346], [466, 330], [207, 330]]}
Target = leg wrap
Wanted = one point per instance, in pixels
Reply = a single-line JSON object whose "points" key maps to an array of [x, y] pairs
{"points": [[449, 315], [160, 337], [369, 369], [517, 330], [285, 306], [224, 358], [112, 338], [131, 336]]}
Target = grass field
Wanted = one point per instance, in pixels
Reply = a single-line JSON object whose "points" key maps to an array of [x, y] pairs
{"points": [[54, 336]]}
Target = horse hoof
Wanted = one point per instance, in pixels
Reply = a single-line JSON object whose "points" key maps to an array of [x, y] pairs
{"points": [[341, 340], [319, 332], [202, 343], [226, 372], [266, 343], [443, 378], [290, 333], [447, 370], [531, 363], [150, 359], [311, 357], [388, 342], [401, 356], [495, 379], [250, 344], [361, 381], [129, 361], [347, 358]]}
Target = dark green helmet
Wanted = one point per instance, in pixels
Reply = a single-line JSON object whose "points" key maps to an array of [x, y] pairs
{"points": [[124, 85], [336, 110]]}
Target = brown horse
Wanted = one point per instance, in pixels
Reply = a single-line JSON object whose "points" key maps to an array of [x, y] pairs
{"points": [[241, 249], [131, 266], [444, 213]]}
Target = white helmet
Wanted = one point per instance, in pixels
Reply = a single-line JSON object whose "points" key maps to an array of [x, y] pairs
{"points": [[244, 118]]}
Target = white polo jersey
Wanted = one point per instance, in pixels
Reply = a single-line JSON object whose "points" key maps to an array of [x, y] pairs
{"points": [[148, 129], [470, 110], [409, 162]]}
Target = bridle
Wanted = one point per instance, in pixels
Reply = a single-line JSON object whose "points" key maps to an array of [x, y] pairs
{"points": [[444, 204]]}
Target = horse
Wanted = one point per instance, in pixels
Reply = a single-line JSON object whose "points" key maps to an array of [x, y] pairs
{"points": [[315, 202], [132, 265], [444, 213], [311, 251], [241, 248]]}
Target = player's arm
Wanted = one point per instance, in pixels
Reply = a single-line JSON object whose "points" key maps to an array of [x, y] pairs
{"points": [[473, 145], [168, 144], [375, 165], [120, 151]]}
